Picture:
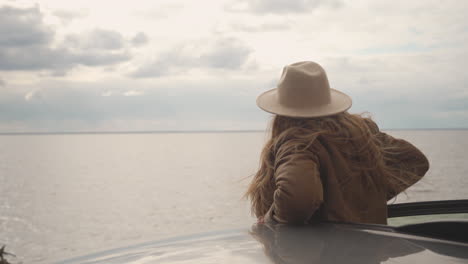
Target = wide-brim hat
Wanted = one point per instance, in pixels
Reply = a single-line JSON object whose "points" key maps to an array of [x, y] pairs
{"points": [[304, 91]]}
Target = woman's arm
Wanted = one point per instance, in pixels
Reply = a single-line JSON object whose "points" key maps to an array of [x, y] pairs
{"points": [[299, 191], [408, 163]]}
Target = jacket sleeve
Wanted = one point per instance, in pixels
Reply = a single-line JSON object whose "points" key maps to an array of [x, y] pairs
{"points": [[299, 191], [408, 163]]}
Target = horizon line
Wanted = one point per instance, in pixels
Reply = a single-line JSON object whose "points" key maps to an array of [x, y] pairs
{"points": [[187, 131]]}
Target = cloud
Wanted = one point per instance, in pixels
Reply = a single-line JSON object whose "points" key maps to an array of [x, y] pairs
{"points": [[61, 106], [161, 11], [27, 44], [267, 27], [2, 83], [389, 87], [23, 27], [97, 39], [140, 39], [281, 6], [67, 16], [417, 90], [57, 59], [224, 54]]}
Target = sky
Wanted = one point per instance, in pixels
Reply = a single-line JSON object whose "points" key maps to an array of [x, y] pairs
{"points": [[170, 65]]}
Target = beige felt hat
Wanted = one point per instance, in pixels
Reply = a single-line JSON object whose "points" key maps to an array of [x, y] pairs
{"points": [[303, 91]]}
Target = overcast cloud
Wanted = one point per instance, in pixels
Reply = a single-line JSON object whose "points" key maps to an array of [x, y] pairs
{"points": [[262, 28], [67, 16], [140, 39], [197, 66], [99, 39], [27, 43], [23, 27], [281, 6], [223, 54]]}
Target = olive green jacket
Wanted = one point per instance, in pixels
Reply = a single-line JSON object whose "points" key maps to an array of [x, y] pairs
{"points": [[319, 185]]}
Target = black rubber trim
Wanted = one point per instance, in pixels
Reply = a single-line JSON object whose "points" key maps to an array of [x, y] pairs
{"points": [[428, 208], [449, 230]]}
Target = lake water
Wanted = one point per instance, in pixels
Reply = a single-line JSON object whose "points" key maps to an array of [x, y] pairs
{"points": [[71, 195]]}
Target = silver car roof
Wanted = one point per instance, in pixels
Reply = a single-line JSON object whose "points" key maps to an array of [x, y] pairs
{"points": [[321, 243]]}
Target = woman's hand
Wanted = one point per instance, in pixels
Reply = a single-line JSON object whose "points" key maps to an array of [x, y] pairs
{"points": [[261, 220]]}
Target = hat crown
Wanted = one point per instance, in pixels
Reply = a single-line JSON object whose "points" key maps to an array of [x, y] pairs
{"points": [[303, 84]]}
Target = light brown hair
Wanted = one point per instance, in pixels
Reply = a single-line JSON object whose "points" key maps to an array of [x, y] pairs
{"points": [[356, 133]]}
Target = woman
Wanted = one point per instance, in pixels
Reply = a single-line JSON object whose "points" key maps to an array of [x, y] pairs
{"points": [[322, 163]]}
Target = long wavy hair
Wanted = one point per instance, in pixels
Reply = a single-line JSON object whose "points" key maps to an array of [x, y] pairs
{"points": [[356, 138]]}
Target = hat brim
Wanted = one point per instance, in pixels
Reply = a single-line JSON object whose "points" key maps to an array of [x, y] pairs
{"points": [[340, 102]]}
